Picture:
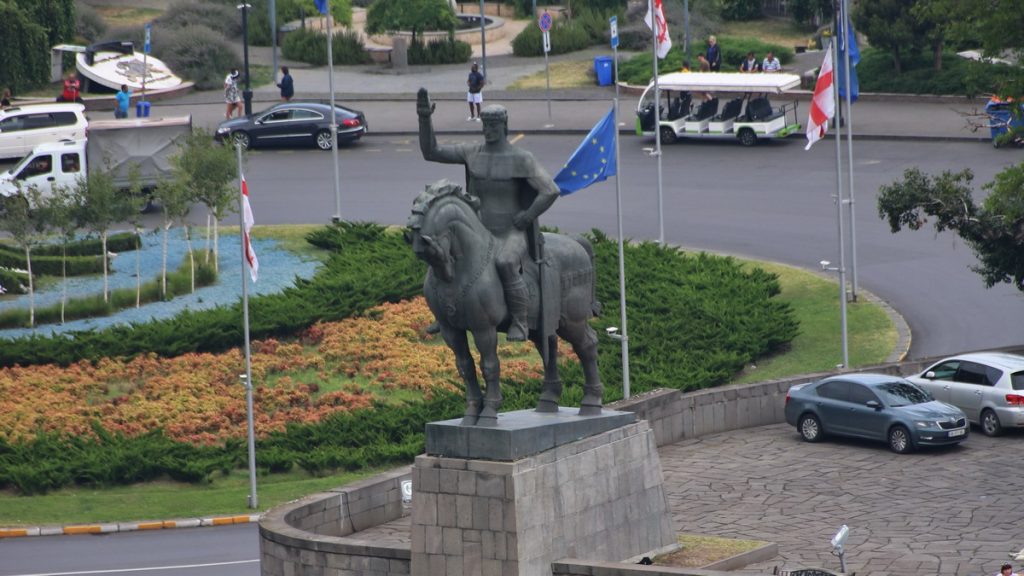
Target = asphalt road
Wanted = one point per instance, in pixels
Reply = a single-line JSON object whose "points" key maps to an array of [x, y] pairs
{"points": [[771, 202]]}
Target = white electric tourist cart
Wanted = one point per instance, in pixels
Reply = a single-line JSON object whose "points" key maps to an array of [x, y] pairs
{"points": [[690, 106]]}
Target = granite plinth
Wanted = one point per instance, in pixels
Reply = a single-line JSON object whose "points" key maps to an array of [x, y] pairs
{"points": [[519, 434]]}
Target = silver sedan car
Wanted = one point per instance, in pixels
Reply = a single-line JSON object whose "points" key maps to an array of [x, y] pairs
{"points": [[987, 386]]}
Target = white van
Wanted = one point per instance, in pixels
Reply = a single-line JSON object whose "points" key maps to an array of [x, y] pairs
{"points": [[22, 128]]}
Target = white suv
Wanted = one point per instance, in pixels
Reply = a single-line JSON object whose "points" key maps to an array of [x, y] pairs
{"points": [[22, 128]]}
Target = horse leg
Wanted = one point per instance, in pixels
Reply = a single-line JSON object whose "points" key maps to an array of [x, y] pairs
{"points": [[459, 343], [584, 343], [487, 345], [551, 394]]}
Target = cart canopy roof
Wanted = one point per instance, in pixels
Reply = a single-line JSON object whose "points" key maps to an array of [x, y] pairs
{"points": [[727, 82]]}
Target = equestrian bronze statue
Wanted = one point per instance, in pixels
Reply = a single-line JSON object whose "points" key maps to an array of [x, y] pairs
{"points": [[491, 270]]}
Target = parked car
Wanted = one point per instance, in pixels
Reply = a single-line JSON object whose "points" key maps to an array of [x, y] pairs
{"points": [[294, 123], [876, 407], [987, 386], [22, 128]]}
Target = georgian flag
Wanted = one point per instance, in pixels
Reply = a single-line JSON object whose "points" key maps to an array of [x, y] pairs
{"points": [[250, 254], [823, 106], [664, 42]]}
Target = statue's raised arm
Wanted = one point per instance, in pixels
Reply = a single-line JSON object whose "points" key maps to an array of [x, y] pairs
{"points": [[428, 141]]}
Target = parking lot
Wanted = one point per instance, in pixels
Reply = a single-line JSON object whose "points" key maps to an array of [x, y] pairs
{"points": [[952, 511]]}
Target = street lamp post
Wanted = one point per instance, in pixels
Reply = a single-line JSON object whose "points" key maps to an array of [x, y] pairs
{"points": [[247, 93]]}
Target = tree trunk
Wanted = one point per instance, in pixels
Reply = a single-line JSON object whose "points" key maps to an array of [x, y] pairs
{"points": [[163, 265], [31, 290], [64, 279], [937, 51], [896, 61], [138, 269], [208, 218], [191, 257], [216, 246], [106, 287]]}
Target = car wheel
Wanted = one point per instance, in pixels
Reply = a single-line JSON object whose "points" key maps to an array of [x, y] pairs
{"points": [[241, 139], [810, 428], [668, 135], [899, 440], [747, 137], [990, 425], [323, 140]]}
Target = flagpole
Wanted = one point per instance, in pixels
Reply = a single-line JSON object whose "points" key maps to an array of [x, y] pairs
{"points": [[845, 14], [334, 116], [622, 257], [839, 220], [247, 377], [657, 120]]}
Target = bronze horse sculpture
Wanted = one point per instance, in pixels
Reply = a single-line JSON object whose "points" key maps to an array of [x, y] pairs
{"points": [[464, 292]]}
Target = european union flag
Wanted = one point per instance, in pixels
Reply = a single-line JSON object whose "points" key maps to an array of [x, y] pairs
{"points": [[321, 5], [854, 59], [593, 161]]}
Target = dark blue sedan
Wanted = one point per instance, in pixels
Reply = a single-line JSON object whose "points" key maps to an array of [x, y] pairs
{"points": [[875, 407], [294, 123]]}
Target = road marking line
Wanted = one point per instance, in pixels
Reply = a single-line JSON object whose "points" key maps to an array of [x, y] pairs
{"points": [[147, 569], [403, 149], [517, 138]]}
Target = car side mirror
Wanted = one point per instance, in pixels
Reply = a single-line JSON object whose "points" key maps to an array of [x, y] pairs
{"points": [[930, 375], [873, 404]]}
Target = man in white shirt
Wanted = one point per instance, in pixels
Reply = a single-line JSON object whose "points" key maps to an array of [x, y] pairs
{"points": [[771, 64]]}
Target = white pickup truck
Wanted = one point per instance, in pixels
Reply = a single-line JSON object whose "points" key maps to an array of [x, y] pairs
{"points": [[113, 146]]}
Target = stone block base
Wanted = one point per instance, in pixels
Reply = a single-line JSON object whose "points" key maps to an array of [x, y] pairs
{"points": [[599, 498]]}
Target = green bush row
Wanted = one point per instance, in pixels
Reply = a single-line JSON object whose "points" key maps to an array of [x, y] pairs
{"points": [[311, 47], [116, 243], [876, 73], [12, 282], [638, 70], [360, 275], [51, 265], [566, 36], [439, 51]]}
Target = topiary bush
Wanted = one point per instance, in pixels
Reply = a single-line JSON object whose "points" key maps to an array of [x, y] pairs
{"points": [[439, 51], [566, 36]]}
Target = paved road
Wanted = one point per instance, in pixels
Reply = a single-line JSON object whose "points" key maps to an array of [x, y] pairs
{"points": [[770, 202], [952, 512]]}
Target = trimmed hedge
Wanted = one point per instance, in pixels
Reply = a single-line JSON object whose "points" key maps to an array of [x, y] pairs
{"points": [[120, 242], [958, 75], [697, 319], [311, 47], [440, 51], [566, 36], [51, 265], [638, 69]]}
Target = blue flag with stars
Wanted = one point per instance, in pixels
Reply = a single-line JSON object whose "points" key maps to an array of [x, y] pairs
{"points": [[593, 161], [321, 6]]}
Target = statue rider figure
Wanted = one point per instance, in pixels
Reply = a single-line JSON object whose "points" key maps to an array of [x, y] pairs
{"points": [[513, 188]]}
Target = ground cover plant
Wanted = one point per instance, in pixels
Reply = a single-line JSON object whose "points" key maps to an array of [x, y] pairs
{"points": [[333, 396], [876, 73]]}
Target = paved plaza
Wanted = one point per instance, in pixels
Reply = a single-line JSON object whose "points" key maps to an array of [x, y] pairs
{"points": [[946, 512]]}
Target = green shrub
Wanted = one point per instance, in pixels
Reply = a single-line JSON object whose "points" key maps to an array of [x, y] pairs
{"points": [[410, 15], [225, 20], [13, 282], [89, 25], [119, 242], [439, 51], [25, 59], [310, 46], [50, 265], [741, 9], [56, 16], [638, 69], [958, 75], [566, 36], [197, 53], [348, 48]]}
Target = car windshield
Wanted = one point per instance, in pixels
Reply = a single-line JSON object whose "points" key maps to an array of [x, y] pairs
{"points": [[896, 394]]}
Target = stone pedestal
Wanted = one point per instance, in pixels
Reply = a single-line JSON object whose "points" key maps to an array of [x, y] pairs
{"points": [[590, 488]]}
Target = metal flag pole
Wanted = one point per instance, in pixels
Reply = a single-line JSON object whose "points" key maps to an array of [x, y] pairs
{"points": [[334, 116], [657, 120], [272, 8], [845, 16], [247, 377], [483, 41], [839, 220], [622, 258]]}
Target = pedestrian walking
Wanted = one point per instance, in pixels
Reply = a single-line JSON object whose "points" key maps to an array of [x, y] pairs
{"points": [[232, 95], [124, 100], [5, 102], [475, 95], [72, 89], [286, 85], [714, 54]]}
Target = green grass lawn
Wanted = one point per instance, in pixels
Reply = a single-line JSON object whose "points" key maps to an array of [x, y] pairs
{"points": [[817, 348]]}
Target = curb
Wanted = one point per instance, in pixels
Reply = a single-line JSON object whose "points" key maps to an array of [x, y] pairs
{"points": [[111, 527]]}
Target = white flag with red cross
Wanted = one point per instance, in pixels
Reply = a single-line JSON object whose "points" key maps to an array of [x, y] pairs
{"points": [[250, 254], [664, 42], [823, 105]]}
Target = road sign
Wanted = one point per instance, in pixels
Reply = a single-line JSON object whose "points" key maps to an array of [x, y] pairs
{"points": [[544, 22], [149, 27], [613, 23], [547, 41]]}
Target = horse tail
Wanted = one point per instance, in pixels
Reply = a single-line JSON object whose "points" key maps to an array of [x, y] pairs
{"points": [[595, 304]]}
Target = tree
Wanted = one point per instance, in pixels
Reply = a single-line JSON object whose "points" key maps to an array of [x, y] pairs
{"points": [[25, 60], [889, 25], [102, 206], [207, 171], [994, 230], [25, 217], [64, 214], [176, 203], [414, 15]]}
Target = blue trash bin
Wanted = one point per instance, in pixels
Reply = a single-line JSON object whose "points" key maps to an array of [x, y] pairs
{"points": [[142, 109], [603, 69]]}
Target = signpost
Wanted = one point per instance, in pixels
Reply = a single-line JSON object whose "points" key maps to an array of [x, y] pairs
{"points": [[544, 22], [613, 26]]}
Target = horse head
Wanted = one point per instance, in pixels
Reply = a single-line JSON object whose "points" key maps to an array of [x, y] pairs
{"points": [[441, 215]]}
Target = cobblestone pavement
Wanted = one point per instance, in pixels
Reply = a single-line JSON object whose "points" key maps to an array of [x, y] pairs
{"points": [[945, 512]]}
